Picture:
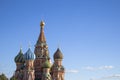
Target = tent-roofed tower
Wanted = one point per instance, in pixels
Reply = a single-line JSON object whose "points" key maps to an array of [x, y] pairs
{"points": [[57, 70], [29, 65], [41, 53], [19, 60]]}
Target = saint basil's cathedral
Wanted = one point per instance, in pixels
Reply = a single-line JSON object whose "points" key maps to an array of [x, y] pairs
{"points": [[37, 65]]}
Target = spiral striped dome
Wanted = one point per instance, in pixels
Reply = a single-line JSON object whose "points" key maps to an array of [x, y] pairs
{"points": [[20, 57]]}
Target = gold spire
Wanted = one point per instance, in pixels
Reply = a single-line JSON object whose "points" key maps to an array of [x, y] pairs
{"points": [[42, 36], [42, 24]]}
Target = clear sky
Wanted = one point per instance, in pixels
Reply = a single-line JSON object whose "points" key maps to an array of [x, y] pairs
{"points": [[87, 31]]}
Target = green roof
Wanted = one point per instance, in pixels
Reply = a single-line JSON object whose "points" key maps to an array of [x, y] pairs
{"points": [[20, 57], [46, 64]]}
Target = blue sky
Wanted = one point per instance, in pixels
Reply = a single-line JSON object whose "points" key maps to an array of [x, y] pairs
{"points": [[87, 31]]}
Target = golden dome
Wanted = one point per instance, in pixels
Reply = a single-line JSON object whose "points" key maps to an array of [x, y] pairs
{"points": [[42, 24]]}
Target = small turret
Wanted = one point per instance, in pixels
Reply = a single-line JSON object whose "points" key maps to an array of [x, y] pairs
{"points": [[19, 60], [57, 70], [46, 71], [29, 65]]}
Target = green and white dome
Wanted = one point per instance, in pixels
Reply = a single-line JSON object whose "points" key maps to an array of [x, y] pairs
{"points": [[20, 57]]}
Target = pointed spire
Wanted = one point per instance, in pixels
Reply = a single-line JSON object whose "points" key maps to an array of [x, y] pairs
{"points": [[42, 36], [58, 45], [29, 44], [20, 50]]}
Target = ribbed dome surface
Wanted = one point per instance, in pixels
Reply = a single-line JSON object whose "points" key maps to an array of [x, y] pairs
{"points": [[46, 64], [29, 55], [58, 54], [20, 57]]}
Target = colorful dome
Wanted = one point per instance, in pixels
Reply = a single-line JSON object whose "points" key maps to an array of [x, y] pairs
{"points": [[58, 54], [20, 57], [29, 55], [46, 64]]}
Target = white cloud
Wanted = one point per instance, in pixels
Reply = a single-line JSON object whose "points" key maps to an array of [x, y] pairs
{"points": [[106, 67], [90, 68], [72, 71], [114, 76]]}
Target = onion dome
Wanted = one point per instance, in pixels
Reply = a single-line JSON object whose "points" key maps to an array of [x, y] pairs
{"points": [[20, 57], [29, 55], [58, 54], [46, 64]]}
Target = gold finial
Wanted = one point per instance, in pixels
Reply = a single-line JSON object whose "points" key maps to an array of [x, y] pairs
{"points": [[58, 45], [29, 44], [20, 46], [42, 24]]}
